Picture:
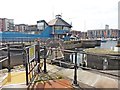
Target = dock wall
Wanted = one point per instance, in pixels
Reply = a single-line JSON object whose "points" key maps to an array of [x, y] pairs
{"points": [[98, 62]]}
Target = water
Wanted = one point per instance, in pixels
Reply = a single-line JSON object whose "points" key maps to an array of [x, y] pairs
{"points": [[105, 45], [108, 45]]}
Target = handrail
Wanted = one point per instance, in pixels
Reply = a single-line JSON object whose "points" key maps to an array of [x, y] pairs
{"points": [[4, 59], [17, 54], [3, 48], [30, 46]]}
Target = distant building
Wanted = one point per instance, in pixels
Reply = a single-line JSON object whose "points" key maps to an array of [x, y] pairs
{"points": [[21, 27], [56, 28], [76, 34], [41, 25], [103, 33], [32, 29], [6, 24], [84, 35]]}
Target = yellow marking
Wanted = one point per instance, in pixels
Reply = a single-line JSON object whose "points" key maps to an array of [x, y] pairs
{"points": [[15, 78]]}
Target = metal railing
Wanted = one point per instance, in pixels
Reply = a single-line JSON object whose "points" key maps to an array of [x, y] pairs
{"points": [[4, 58]]}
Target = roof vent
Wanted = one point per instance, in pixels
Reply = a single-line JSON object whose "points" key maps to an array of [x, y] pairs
{"points": [[58, 16]]}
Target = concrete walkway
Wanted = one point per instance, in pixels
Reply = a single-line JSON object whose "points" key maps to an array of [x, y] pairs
{"points": [[14, 79], [85, 77]]}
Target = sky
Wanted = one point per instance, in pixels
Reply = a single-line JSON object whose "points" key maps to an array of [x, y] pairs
{"points": [[82, 14]]}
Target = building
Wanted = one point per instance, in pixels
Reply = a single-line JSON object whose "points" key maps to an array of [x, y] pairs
{"points": [[60, 28], [84, 35], [103, 33], [41, 25], [75, 34], [56, 28], [32, 29], [6, 24], [21, 27], [119, 15]]}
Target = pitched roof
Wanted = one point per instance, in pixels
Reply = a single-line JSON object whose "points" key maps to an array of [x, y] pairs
{"points": [[58, 22]]}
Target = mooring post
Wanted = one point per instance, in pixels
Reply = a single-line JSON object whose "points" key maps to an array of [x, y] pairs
{"points": [[45, 71]]}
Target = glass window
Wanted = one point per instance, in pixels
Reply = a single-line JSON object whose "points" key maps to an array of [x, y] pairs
{"points": [[58, 27], [66, 28], [40, 26]]}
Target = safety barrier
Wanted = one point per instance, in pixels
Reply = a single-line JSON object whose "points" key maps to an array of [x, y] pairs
{"points": [[3, 59]]}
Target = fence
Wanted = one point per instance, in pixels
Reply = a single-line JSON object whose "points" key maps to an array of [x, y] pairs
{"points": [[4, 58], [31, 64]]}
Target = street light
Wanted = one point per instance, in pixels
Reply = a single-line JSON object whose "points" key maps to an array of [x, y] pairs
{"points": [[75, 71]]}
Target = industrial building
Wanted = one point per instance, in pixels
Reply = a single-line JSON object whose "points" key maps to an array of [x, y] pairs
{"points": [[103, 33], [6, 24]]}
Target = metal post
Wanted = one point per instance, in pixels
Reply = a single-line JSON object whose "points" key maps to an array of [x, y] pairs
{"points": [[72, 58], [26, 73], [23, 54], [38, 51], [45, 71], [56, 53], [26, 68], [75, 71], [9, 66]]}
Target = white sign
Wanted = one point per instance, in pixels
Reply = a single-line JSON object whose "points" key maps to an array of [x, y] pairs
{"points": [[31, 53]]}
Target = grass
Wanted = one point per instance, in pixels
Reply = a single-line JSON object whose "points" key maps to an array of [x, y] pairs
{"points": [[100, 51]]}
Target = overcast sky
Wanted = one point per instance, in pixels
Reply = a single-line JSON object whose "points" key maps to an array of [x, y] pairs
{"points": [[84, 14]]}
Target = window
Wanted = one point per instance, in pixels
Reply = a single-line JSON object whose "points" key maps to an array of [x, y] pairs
{"points": [[40, 26], [58, 27], [66, 28]]}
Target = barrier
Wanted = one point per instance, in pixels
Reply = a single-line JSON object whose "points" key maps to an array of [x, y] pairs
{"points": [[2, 59], [31, 64]]}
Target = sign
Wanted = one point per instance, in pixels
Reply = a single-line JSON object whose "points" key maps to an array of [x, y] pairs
{"points": [[31, 53]]}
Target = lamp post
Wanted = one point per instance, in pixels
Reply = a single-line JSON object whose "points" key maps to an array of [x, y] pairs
{"points": [[75, 71]]}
